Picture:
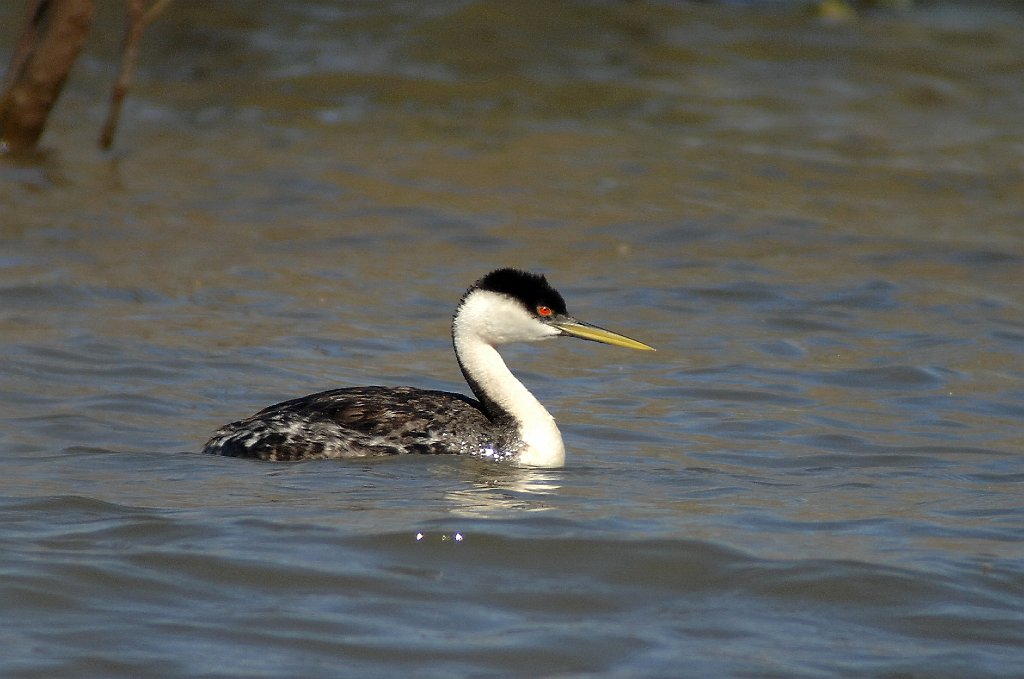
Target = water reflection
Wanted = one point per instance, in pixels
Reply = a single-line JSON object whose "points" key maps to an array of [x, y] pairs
{"points": [[504, 491]]}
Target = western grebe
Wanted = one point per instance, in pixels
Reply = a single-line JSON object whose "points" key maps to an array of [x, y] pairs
{"points": [[506, 424]]}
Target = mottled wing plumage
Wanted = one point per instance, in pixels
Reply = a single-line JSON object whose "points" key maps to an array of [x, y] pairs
{"points": [[363, 421]]}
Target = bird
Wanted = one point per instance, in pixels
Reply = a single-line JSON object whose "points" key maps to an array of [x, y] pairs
{"points": [[505, 423]]}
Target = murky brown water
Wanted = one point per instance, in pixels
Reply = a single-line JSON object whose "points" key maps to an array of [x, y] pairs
{"points": [[818, 225]]}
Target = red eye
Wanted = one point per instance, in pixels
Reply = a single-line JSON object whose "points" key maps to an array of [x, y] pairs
{"points": [[544, 311]]}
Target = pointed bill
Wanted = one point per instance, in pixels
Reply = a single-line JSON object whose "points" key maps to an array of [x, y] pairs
{"points": [[591, 332]]}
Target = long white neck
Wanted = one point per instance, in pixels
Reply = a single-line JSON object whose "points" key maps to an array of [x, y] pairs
{"points": [[494, 382]]}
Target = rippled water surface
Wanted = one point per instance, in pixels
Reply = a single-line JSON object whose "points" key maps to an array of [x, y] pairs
{"points": [[818, 224]]}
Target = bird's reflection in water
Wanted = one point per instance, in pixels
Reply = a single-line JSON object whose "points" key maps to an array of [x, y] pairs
{"points": [[503, 491]]}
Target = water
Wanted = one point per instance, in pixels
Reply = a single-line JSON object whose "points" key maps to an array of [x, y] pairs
{"points": [[818, 226]]}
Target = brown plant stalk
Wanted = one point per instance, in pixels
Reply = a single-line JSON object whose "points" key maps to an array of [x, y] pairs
{"points": [[41, 62], [138, 18]]}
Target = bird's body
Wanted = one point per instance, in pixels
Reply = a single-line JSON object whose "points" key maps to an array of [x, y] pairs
{"points": [[365, 421], [506, 424]]}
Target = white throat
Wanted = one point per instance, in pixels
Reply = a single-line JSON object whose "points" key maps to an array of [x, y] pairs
{"points": [[475, 332]]}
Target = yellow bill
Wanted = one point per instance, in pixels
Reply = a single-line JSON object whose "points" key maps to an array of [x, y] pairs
{"points": [[595, 334]]}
